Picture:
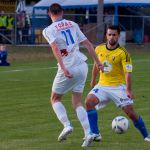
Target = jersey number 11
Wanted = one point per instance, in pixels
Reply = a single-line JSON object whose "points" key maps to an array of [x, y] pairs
{"points": [[68, 36]]}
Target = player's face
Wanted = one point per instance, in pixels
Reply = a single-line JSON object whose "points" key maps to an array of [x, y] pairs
{"points": [[112, 37]]}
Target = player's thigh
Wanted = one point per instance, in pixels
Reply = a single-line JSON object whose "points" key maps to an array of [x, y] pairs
{"points": [[101, 96], [119, 96], [62, 84], [80, 75]]}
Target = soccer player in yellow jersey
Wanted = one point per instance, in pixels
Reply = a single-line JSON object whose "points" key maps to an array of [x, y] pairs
{"points": [[114, 83]]}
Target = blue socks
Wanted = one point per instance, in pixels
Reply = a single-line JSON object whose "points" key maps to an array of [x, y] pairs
{"points": [[93, 120], [139, 124]]}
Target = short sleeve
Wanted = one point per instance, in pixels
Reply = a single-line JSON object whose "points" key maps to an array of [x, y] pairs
{"points": [[49, 35], [81, 37], [126, 61]]}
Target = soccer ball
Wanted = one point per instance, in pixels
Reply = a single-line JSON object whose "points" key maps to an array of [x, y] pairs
{"points": [[120, 124]]}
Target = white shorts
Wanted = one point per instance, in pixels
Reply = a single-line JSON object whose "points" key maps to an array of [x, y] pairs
{"points": [[62, 84], [115, 93]]}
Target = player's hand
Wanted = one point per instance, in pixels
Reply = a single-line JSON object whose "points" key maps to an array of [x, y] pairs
{"points": [[100, 66], [130, 94], [67, 73]]}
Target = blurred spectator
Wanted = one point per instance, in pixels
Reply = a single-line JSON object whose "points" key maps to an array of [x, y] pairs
{"points": [[108, 18], [26, 30], [3, 25], [3, 56], [20, 25], [10, 20], [23, 27]]}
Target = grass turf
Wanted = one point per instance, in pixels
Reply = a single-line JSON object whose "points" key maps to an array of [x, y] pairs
{"points": [[27, 121]]}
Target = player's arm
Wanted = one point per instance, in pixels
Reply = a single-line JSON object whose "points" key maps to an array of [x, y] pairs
{"points": [[87, 44], [129, 84], [127, 67], [95, 72], [58, 57], [49, 35], [91, 50]]}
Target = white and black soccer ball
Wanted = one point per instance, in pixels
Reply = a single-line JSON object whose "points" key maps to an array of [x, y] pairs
{"points": [[120, 124]]}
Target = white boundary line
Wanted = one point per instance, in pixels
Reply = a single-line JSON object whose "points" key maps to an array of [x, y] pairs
{"points": [[21, 70]]}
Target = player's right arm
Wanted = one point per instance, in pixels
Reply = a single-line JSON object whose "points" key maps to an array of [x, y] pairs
{"points": [[58, 57], [49, 35], [95, 72]]}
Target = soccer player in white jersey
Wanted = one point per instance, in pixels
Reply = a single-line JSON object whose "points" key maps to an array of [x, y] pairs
{"points": [[64, 37], [114, 83]]}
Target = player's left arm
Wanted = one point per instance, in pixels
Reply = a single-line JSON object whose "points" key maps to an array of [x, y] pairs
{"points": [[127, 67], [89, 46], [128, 79]]}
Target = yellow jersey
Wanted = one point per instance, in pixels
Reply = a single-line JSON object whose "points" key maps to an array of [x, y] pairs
{"points": [[116, 63]]}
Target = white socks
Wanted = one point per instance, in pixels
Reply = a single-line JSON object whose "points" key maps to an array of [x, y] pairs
{"points": [[83, 118], [60, 111]]}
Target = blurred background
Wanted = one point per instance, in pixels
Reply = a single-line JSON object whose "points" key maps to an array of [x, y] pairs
{"points": [[27, 122], [22, 21]]}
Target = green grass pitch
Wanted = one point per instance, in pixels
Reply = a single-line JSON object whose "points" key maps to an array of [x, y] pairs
{"points": [[27, 121]]}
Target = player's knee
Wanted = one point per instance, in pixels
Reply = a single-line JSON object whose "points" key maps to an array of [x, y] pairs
{"points": [[90, 102], [54, 98]]}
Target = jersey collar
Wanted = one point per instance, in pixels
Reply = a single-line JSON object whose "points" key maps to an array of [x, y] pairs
{"points": [[59, 20], [113, 48]]}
